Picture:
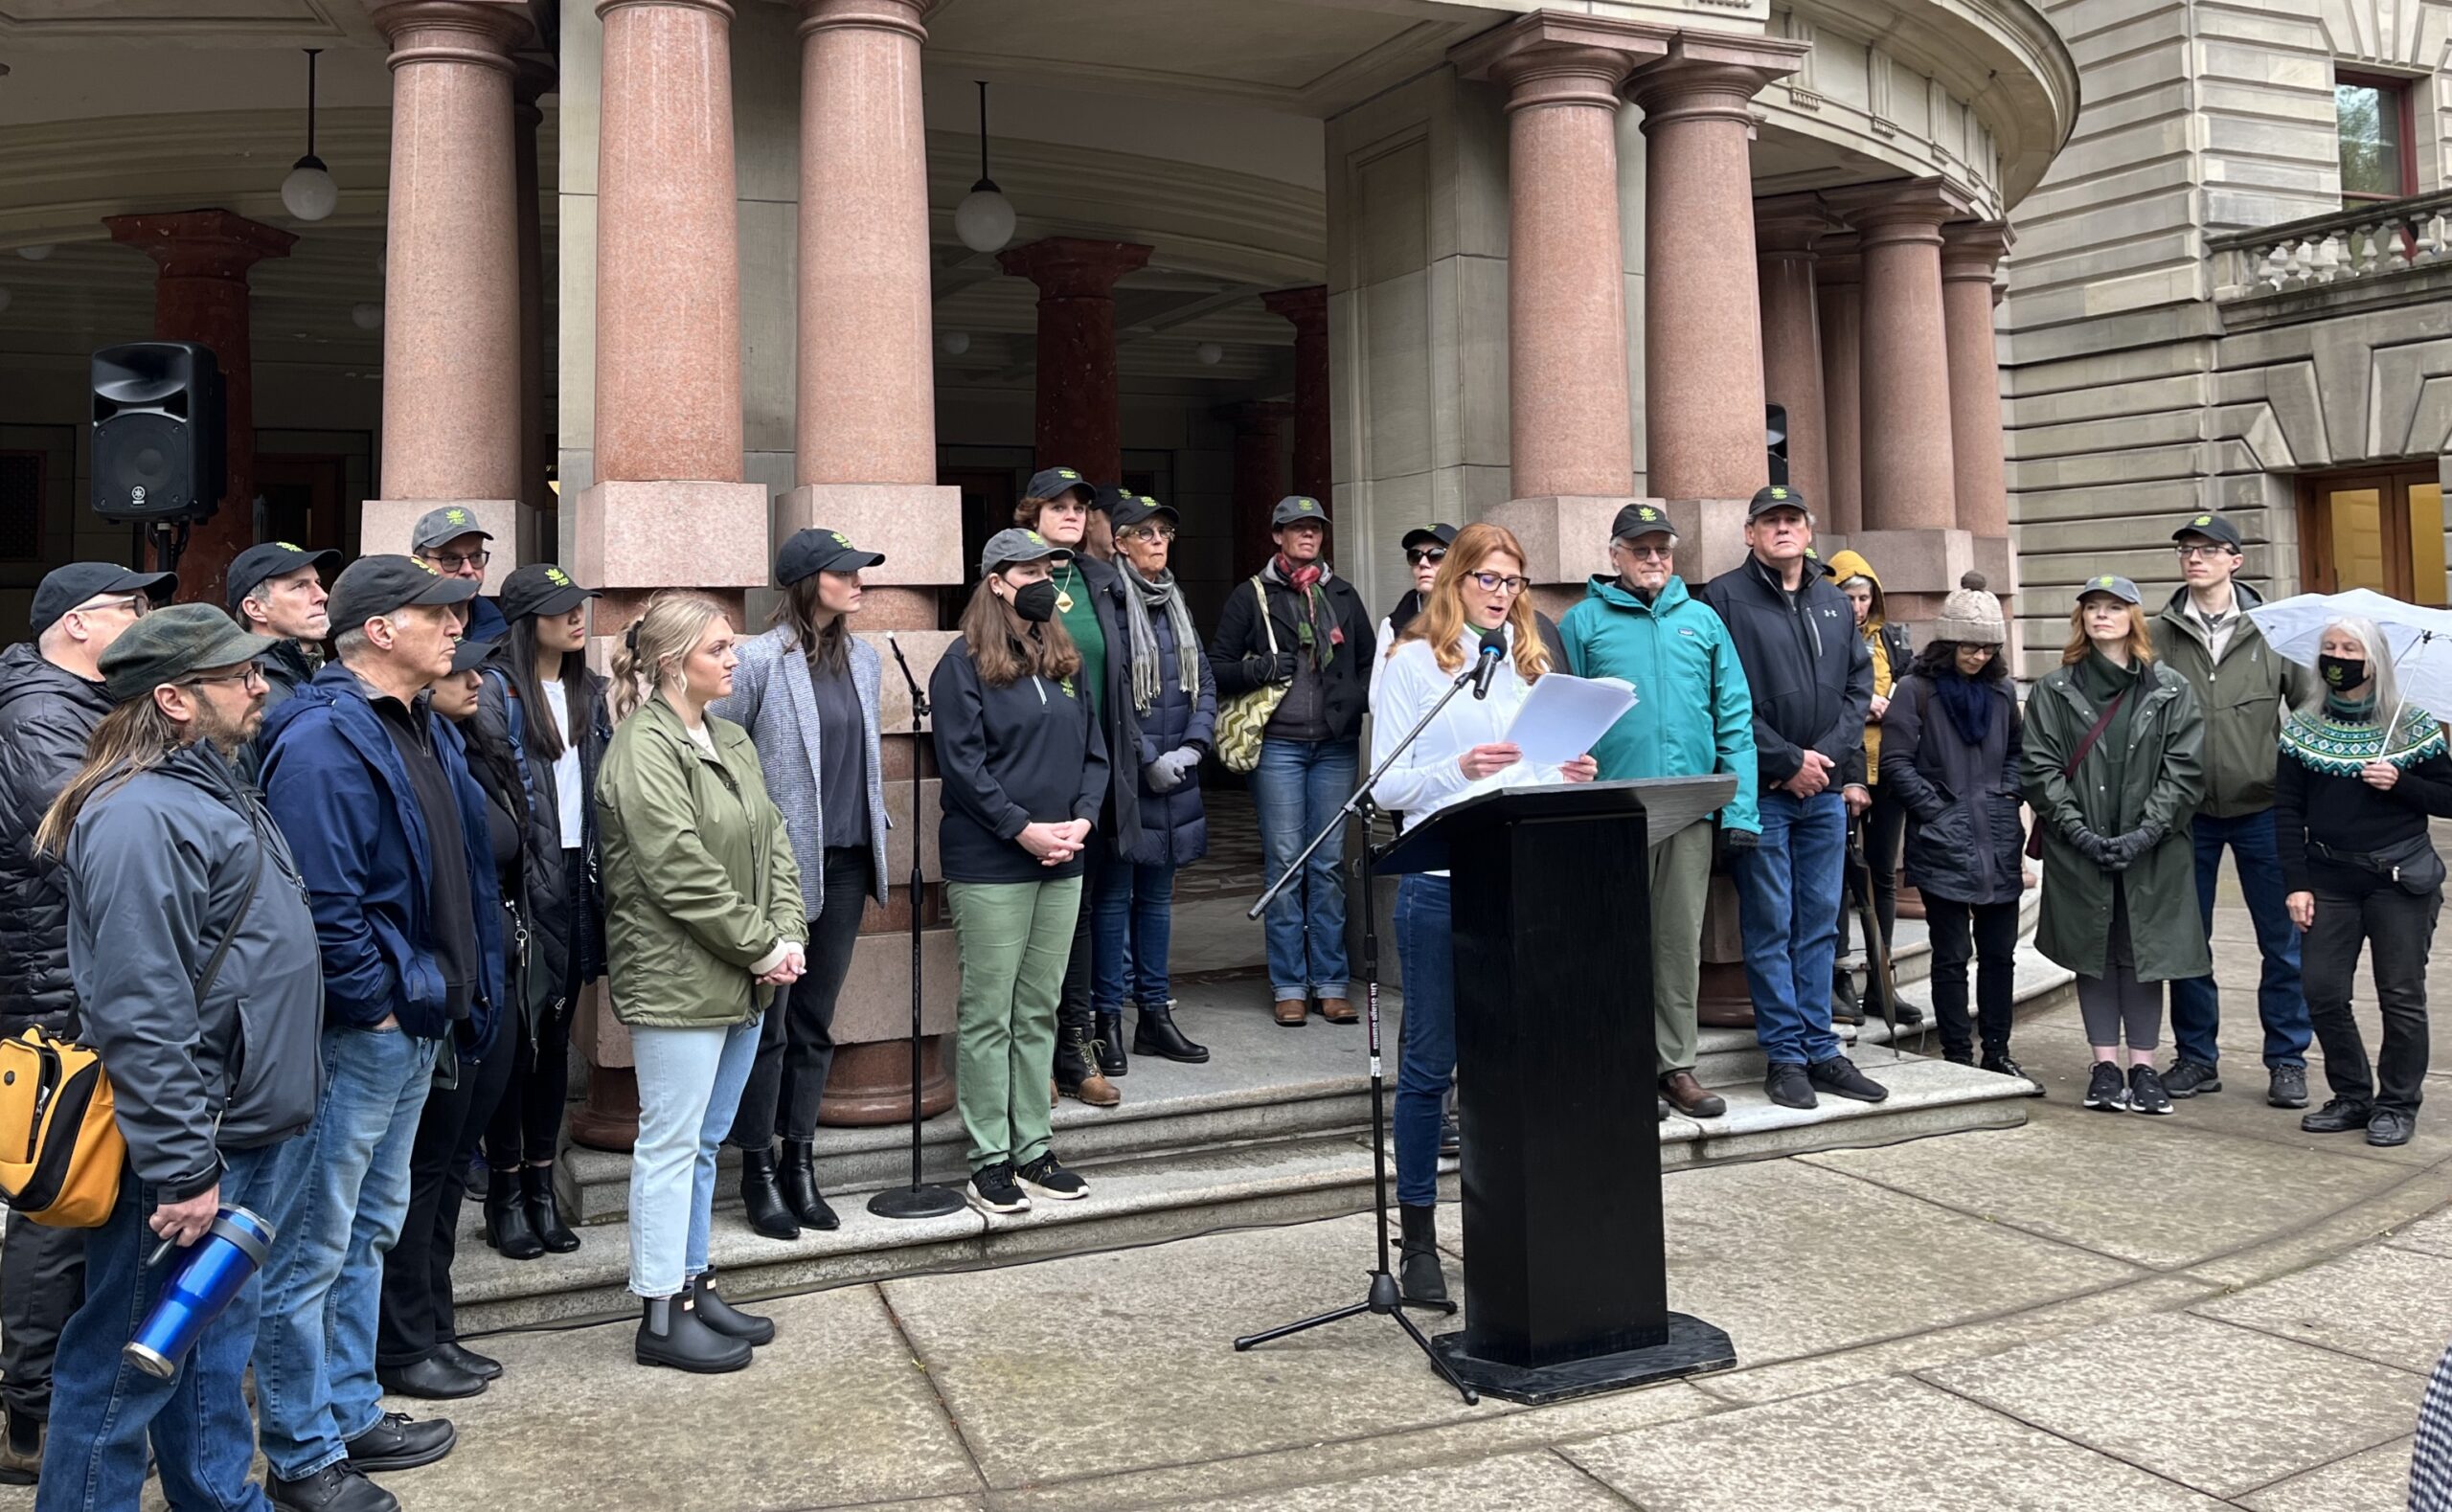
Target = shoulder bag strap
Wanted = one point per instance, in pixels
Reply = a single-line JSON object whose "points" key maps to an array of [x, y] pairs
{"points": [[246, 899], [1267, 627], [2102, 722]]}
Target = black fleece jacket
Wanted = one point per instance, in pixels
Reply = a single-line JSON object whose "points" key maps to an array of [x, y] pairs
{"points": [[1025, 754]]}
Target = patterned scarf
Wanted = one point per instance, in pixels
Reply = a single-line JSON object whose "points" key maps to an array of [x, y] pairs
{"points": [[1317, 629], [1150, 596], [2344, 737]]}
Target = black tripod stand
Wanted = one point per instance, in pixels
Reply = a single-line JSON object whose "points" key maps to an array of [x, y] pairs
{"points": [[1384, 1298], [918, 1200]]}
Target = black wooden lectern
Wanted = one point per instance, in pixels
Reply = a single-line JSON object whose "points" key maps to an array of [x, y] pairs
{"points": [[1565, 1281]]}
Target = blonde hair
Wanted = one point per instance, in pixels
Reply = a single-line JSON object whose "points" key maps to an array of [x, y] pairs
{"points": [[1441, 621], [2140, 639], [133, 738], [673, 624]]}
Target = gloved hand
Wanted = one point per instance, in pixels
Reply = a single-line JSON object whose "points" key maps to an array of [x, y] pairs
{"points": [[1260, 668], [2128, 847], [2101, 851], [1171, 770]]}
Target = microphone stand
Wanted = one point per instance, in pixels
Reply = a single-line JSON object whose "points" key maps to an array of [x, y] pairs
{"points": [[919, 1199], [1384, 1298]]}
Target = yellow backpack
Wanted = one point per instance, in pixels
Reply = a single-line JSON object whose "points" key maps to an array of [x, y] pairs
{"points": [[60, 1150]]}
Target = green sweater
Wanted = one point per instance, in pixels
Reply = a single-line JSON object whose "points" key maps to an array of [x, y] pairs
{"points": [[1081, 622]]}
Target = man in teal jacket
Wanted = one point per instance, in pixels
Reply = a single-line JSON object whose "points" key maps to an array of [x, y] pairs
{"points": [[1693, 717]]}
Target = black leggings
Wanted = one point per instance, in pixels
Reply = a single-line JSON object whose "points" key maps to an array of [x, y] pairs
{"points": [[796, 1043], [1987, 934], [527, 1123]]}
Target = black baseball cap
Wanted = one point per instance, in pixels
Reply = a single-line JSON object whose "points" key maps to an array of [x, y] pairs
{"points": [[270, 559], [1440, 534], [471, 653], [1049, 482], [1135, 509], [1109, 497], [64, 588], [1777, 496], [1641, 519], [170, 644], [380, 585], [2213, 527], [819, 549], [449, 523], [540, 588], [1296, 507]]}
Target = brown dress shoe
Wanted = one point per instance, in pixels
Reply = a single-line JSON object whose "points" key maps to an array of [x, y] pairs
{"points": [[1689, 1097], [1291, 1012], [1338, 1010]]}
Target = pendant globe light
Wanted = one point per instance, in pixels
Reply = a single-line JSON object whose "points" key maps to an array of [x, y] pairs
{"points": [[309, 193], [985, 219]]}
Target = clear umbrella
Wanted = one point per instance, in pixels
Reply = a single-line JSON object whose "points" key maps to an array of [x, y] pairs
{"points": [[2417, 639]]}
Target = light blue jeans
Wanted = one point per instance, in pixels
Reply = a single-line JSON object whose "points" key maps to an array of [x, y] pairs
{"points": [[1298, 787], [689, 1083], [323, 1282]]}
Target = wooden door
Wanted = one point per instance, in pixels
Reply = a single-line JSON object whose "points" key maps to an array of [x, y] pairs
{"points": [[2375, 528]]}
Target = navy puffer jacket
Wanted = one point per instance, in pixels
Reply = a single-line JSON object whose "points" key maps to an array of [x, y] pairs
{"points": [[1173, 826]]}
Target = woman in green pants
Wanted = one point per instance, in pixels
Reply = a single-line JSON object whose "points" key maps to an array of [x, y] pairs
{"points": [[1024, 769]]}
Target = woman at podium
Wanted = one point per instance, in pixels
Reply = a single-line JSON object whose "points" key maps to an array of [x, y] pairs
{"points": [[1478, 599]]}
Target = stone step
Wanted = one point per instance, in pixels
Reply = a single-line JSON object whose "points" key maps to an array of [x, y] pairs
{"points": [[1144, 1200]]}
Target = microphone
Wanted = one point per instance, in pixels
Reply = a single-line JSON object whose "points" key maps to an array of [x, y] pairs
{"points": [[1485, 665]]}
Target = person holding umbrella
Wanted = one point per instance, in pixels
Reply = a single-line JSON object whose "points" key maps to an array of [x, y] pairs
{"points": [[2115, 766], [2365, 771]]}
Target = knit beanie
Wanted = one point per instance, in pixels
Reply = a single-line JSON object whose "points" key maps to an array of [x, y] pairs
{"points": [[1970, 614]]}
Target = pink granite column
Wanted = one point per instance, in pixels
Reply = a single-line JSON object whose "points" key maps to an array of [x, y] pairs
{"points": [[1837, 271], [1079, 422], [1260, 477], [1786, 233], [1308, 309], [1909, 480], [1970, 254], [200, 295], [1702, 331], [451, 318]]}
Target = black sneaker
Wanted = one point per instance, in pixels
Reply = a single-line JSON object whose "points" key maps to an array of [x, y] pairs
{"points": [[1048, 1178], [2391, 1126], [2000, 1064], [993, 1189], [1788, 1086], [2188, 1077], [336, 1488], [1839, 1076], [2106, 1089], [2146, 1094], [2340, 1115], [2288, 1087], [399, 1441]]}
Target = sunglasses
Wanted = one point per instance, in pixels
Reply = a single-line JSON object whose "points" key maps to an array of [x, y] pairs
{"points": [[1427, 553]]}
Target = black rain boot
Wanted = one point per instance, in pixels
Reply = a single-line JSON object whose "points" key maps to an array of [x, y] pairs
{"points": [[671, 1333], [800, 1188], [545, 1209], [1155, 1033], [764, 1197], [1110, 1043], [724, 1317], [1421, 1278], [507, 1226]]}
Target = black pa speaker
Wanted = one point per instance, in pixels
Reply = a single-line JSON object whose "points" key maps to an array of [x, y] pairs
{"points": [[1775, 440], [158, 433]]}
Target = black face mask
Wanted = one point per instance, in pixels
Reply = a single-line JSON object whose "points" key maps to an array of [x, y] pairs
{"points": [[1035, 601], [2341, 673]]}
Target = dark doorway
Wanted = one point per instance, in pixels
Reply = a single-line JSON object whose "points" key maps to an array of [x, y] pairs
{"points": [[306, 501]]}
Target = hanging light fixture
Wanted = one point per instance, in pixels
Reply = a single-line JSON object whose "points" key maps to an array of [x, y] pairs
{"points": [[309, 193], [985, 219]]}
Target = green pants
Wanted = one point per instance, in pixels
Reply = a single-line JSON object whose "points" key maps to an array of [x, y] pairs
{"points": [[1015, 938], [1681, 882]]}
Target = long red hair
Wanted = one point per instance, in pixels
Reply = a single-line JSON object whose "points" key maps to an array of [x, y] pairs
{"points": [[1442, 621]]}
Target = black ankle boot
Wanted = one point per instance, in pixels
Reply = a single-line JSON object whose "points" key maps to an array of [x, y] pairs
{"points": [[724, 1317], [671, 1333], [800, 1188], [507, 1226], [545, 1209], [1111, 1060], [1419, 1277], [764, 1197], [1155, 1034]]}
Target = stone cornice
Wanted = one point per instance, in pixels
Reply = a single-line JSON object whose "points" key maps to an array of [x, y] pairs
{"points": [[1553, 58], [1972, 249]]}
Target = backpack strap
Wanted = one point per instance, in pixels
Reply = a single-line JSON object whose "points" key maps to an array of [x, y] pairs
{"points": [[246, 899]]}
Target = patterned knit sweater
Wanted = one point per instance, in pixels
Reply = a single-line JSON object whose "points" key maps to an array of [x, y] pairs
{"points": [[2319, 794]]}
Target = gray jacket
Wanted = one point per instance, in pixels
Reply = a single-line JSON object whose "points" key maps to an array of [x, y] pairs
{"points": [[772, 699], [156, 870]]}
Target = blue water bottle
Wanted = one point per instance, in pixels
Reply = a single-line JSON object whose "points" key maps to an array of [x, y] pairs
{"points": [[216, 1268]]}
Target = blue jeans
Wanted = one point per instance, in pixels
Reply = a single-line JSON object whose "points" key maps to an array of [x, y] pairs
{"points": [[1298, 787], [689, 1083], [1787, 908], [1132, 927], [323, 1282], [102, 1406], [2197, 1002], [1426, 1051]]}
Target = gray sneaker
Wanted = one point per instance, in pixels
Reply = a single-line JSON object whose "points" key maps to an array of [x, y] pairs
{"points": [[2288, 1088], [2188, 1077]]}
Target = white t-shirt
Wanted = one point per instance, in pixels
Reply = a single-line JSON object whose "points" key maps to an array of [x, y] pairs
{"points": [[567, 781]]}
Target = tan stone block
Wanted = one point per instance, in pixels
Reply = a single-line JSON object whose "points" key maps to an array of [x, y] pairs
{"points": [[1917, 561], [384, 525], [1566, 538], [922, 648], [1710, 536], [903, 832], [875, 1001], [916, 527], [1996, 557], [672, 535]]}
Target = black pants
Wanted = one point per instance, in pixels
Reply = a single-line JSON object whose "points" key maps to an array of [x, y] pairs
{"points": [[1884, 831], [2398, 930], [1987, 934], [527, 1123], [417, 1275], [796, 1043], [42, 1280], [1073, 1007]]}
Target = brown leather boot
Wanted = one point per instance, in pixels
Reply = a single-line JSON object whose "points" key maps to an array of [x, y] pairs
{"points": [[1689, 1097], [1291, 1012], [1076, 1070], [1338, 1010]]}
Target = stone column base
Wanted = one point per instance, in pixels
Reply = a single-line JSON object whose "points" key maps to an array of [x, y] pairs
{"points": [[1565, 536], [1710, 536], [918, 527], [384, 525], [609, 1119], [636, 537]]}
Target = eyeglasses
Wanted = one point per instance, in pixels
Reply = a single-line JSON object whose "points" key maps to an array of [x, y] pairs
{"points": [[1666, 553], [2193, 554], [1978, 648], [447, 560], [1427, 553], [1150, 532], [1495, 583], [136, 604], [246, 676]]}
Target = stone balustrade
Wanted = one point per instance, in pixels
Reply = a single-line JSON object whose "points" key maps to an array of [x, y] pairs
{"points": [[2366, 241]]}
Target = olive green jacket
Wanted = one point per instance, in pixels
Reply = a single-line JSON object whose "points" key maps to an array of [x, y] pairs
{"points": [[2162, 778], [699, 883], [2246, 697]]}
